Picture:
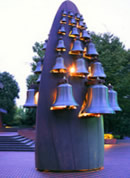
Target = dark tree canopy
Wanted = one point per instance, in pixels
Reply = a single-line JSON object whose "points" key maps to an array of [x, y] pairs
{"points": [[8, 95]]}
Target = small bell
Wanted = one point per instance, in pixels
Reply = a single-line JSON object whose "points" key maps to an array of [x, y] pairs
{"points": [[39, 79], [62, 30], [81, 70], [97, 101], [63, 20], [96, 71], [60, 46], [31, 100], [77, 16], [81, 18], [80, 24], [72, 22], [74, 33], [59, 66], [85, 35], [45, 45], [85, 26], [91, 51], [39, 67], [64, 98], [76, 48], [64, 13], [71, 14], [112, 95]]}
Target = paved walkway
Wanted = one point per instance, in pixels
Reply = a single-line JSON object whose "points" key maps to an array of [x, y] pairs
{"points": [[22, 165]]}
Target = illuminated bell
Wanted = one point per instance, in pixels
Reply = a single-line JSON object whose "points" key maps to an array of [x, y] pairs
{"points": [[59, 66], [63, 20], [64, 98], [30, 101], [91, 50], [45, 45], [85, 35], [71, 14], [74, 33], [77, 16], [60, 46], [97, 100], [80, 24], [64, 13], [38, 68], [72, 22], [96, 71], [81, 18], [112, 95], [39, 79], [62, 30], [77, 46]]}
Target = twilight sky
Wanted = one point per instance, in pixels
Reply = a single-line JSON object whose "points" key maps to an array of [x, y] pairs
{"points": [[23, 22]]}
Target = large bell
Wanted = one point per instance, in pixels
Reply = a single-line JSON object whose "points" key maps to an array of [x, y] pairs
{"points": [[81, 70], [59, 65], [62, 30], [39, 67], [74, 33], [112, 95], [97, 101], [72, 22], [45, 45], [96, 71], [76, 48], [85, 35], [91, 50], [64, 98], [39, 79], [60, 45], [63, 20], [31, 100]]}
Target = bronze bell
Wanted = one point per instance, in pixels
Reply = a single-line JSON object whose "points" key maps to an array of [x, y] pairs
{"points": [[74, 33], [39, 79], [80, 24], [59, 65], [81, 70], [39, 67], [81, 18], [64, 98], [72, 22], [77, 16], [64, 13], [91, 51], [96, 71], [85, 26], [31, 99], [60, 46], [97, 101], [63, 20], [62, 30], [112, 95], [76, 48], [45, 45], [85, 35], [71, 14]]}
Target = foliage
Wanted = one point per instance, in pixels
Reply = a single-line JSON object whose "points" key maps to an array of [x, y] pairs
{"points": [[116, 62], [8, 95]]}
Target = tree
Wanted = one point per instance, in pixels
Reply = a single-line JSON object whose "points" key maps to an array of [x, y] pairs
{"points": [[8, 95], [116, 62]]}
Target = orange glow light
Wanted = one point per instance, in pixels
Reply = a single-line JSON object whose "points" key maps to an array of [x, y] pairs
{"points": [[36, 97], [72, 69], [88, 115]]}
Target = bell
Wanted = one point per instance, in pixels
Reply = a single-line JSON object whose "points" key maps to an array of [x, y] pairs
{"points": [[64, 13], [60, 46], [64, 98], [59, 66], [45, 45], [81, 18], [77, 47], [31, 100], [63, 20], [77, 16], [81, 70], [80, 24], [39, 79], [91, 51], [97, 101], [112, 95], [38, 68], [74, 33], [71, 14], [72, 22], [96, 71], [85, 35], [62, 30], [85, 26]]}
